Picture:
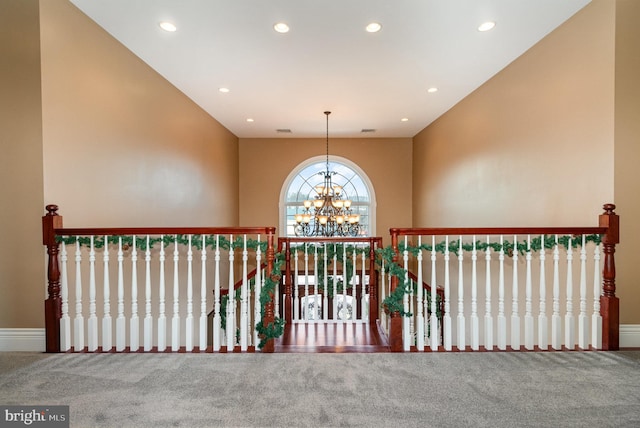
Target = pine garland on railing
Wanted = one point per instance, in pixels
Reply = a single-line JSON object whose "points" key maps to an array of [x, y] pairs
{"points": [[508, 246], [167, 240], [394, 301], [274, 329]]}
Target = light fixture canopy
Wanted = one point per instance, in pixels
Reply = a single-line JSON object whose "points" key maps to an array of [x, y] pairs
{"points": [[329, 212]]}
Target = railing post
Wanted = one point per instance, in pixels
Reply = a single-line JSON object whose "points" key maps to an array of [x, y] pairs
{"points": [[288, 307], [269, 317], [373, 283], [395, 327], [609, 303], [53, 303]]}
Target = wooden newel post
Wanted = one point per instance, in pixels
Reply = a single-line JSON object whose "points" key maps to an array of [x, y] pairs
{"points": [[269, 317], [53, 303], [395, 325], [609, 303], [373, 284]]}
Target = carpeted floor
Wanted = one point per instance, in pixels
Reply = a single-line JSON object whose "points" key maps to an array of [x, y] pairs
{"points": [[545, 389]]}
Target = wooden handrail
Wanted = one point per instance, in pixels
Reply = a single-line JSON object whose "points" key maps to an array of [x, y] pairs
{"points": [[128, 231], [452, 231]]}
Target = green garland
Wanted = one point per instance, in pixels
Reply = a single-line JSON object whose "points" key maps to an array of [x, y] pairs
{"points": [[521, 247], [275, 328], [394, 301], [210, 241]]}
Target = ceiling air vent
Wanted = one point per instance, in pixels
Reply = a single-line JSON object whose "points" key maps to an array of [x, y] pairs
{"points": [[283, 131], [368, 130]]}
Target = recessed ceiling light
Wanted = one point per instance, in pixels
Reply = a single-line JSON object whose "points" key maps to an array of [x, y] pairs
{"points": [[224, 90], [432, 90], [486, 26], [168, 26], [404, 119], [281, 27], [374, 27], [249, 120]]}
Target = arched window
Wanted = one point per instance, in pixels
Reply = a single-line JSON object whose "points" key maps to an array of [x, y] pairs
{"points": [[299, 186]]}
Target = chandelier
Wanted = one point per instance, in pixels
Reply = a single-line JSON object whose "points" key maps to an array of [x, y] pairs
{"points": [[329, 212]]}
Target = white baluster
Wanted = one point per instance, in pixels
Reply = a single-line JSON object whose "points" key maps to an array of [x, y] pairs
{"points": [[354, 284], [148, 319], [107, 333], [325, 298], [344, 283], [203, 296], [515, 315], [189, 321], [583, 321], [217, 319], [121, 321], [488, 317], [65, 322], [305, 309], [406, 327], [569, 321], [257, 292], [556, 325], [162, 319], [364, 308], [528, 306], [315, 283], [412, 319], [175, 319], [244, 299], [446, 324], [296, 284], [78, 324], [433, 321], [596, 318], [134, 322], [474, 322], [92, 322], [335, 282], [420, 301], [543, 324], [461, 319], [502, 319], [231, 303]]}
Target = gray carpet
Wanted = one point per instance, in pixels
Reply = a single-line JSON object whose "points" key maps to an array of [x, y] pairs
{"points": [[570, 389]]}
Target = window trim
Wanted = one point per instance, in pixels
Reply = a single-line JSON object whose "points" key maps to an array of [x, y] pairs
{"points": [[282, 218]]}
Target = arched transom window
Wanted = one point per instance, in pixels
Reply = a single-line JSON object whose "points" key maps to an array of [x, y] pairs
{"points": [[301, 183]]}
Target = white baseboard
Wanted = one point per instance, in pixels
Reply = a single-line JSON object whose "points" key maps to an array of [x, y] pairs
{"points": [[22, 339], [630, 336]]}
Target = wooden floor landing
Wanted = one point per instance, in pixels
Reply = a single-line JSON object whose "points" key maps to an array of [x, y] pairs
{"points": [[331, 338]]}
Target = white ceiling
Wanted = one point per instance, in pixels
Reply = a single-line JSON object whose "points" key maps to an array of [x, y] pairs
{"points": [[328, 61]]}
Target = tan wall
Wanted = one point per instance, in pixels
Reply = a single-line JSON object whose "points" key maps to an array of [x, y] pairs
{"points": [[547, 140], [21, 267], [266, 163], [627, 157], [112, 141], [123, 147], [533, 145]]}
